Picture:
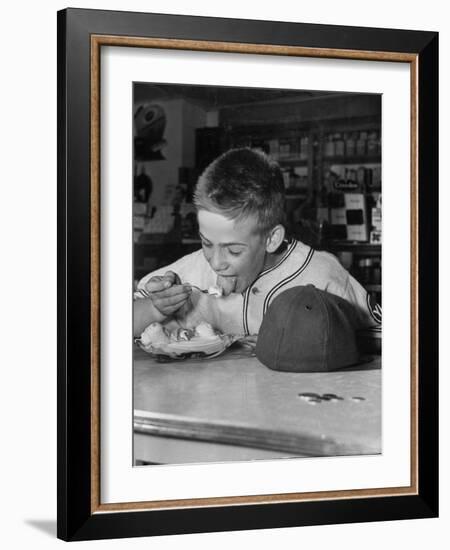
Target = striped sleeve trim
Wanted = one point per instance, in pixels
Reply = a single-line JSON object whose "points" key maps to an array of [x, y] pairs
{"points": [[291, 248], [287, 280], [244, 311]]}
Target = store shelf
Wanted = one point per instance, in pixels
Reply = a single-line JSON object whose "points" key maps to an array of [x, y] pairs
{"points": [[361, 248], [357, 159], [292, 161]]}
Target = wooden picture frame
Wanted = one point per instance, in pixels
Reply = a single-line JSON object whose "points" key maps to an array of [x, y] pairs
{"points": [[81, 35]]}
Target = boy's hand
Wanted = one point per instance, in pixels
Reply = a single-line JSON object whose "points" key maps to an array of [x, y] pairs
{"points": [[167, 293]]}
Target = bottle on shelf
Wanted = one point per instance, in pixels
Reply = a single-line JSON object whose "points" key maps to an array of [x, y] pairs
{"points": [[350, 144], [361, 148], [329, 149], [373, 143], [339, 145]]}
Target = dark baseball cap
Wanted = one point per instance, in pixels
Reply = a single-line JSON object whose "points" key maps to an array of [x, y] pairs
{"points": [[308, 330]]}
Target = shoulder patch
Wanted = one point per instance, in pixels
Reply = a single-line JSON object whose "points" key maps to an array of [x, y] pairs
{"points": [[374, 309]]}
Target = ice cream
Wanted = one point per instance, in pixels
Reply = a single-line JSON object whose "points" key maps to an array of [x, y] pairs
{"points": [[205, 330], [215, 290], [155, 334], [181, 335]]}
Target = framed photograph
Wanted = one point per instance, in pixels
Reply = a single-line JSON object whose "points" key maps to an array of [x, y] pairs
{"points": [[236, 200]]}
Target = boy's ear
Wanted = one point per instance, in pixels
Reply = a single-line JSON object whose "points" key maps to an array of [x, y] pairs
{"points": [[275, 238]]}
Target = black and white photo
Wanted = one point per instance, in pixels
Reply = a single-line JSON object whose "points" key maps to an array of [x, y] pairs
{"points": [[257, 273]]}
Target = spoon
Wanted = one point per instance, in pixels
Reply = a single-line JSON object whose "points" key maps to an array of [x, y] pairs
{"points": [[217, 294]]}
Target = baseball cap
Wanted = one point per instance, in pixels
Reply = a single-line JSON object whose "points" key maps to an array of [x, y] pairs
{"points": [[308, 330]]}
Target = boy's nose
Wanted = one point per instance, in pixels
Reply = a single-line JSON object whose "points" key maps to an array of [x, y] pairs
{"points": [[217, 261]]}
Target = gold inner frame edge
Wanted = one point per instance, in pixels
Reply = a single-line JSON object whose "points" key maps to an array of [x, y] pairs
{"points": [[97, 41]]}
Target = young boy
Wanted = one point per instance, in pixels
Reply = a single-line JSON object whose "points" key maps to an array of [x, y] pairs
{"points": [[245, 252]]}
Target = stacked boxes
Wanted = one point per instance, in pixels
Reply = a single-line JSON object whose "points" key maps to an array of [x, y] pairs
{"points": [[356, 217], [348, 217], [375, 233], [351, 191]]}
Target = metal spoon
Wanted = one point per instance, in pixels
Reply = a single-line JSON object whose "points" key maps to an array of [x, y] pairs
{"points": [[206, 291]]}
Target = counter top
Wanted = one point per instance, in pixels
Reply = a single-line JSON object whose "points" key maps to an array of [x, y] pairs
{"points": [[235, 402]]}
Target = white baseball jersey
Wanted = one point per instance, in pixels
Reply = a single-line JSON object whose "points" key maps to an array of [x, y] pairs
{"points": [[243, 313]]}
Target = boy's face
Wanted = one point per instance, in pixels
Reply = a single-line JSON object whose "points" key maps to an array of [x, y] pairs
{"points": [[233, 248]]}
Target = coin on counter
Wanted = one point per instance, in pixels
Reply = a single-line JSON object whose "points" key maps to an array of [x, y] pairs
{"points": [[309, 395], [331, 397]]}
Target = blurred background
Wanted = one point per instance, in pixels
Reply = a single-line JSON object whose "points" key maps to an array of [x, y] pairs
{"points": [[328, 145]]}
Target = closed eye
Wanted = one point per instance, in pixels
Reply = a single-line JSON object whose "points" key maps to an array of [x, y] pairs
{"points": [[231, 251]]}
